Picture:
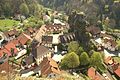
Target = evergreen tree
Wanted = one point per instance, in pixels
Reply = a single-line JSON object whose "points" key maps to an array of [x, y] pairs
{"points": [[24, 9], [7, 9]]}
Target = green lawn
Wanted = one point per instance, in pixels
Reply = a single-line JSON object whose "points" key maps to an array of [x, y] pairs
{"points": [[7, 24]]}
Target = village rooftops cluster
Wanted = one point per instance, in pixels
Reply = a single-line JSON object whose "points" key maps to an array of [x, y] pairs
{"points": [[106, 43], [113, 66], [47, 30], [102, 39], [43, 51], [49, 67], [13, 43]]}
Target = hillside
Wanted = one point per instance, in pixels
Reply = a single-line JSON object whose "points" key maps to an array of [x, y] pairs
{"points": [[94, 9], [9, 8]]}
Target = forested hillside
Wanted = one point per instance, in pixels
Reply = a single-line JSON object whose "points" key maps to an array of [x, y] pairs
{"points": [[94, 9], [26, 7]]}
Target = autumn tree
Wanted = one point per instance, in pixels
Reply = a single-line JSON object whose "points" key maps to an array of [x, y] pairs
{"points": [[71, 60]]}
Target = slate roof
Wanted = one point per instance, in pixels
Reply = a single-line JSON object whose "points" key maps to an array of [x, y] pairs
{"points": [[29, 60], [39, 51], [47, 39], [66, 38]]}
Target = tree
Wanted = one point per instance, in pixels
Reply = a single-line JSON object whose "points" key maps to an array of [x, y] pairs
{"points": [[71, 60], [73, 47], [24, 9], [38, 11], [32, 8], [7, 9], [84, 58], [116, 13], [80, 50], [97, 62]]}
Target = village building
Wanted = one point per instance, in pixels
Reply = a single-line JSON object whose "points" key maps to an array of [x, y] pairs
{"points": [[4, 51], [66, 38], [95, 31], [28, 62], [24, 38], [31, 31], [11, 47], [117, 72], [113, 66], [110, 44], [49, 68], [39, 52], [11, 34], [47, 41], [94, 75], [40, 33], [5, 68]]}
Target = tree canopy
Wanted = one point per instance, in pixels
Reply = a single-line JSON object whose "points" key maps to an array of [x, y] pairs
{"points": [[97, 61], [73, 47], [71, 60], [24, 9], [84, 59]]}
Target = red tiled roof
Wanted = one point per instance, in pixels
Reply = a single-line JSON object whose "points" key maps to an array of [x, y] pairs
{"points": [[48, 66], [2, 51], [117, 71], [11, 45], [23, 38], [91, 73], [15, 41]]}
